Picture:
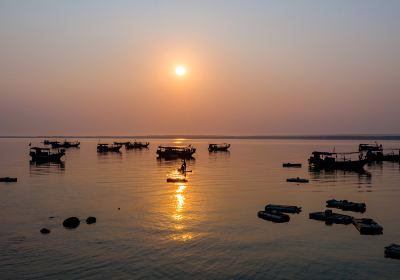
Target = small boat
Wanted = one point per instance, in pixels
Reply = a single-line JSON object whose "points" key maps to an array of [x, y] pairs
{"points": [[392, 156], [274, 216], [104, 148], [45, 155], [121, 143], [367, 226], [331, 218], [8, 180], [288, 164], [48, 142], [65, 144], [392, 251], [137, 145], [219, 147], [283, 208], [373, 152], [331, 161], [174, 152], [297, 180], [176, 180], [346, 205]]}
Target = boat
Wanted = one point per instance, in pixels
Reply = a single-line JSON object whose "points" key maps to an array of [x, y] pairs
{"points": [[65, 144], [288, 164], [219, 147], [8, 180], [274, 216], [346, 205], [45, 155], [367, 226], [104, 148], [344, 161], [331, 218], [137, 145], [373, 152], [283, 208], [392, 251], [176, 180], [173, 152], [376, 152], [297, 180], [48, 142]]}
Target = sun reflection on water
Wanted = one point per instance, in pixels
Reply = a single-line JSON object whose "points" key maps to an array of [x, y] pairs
{"points": [[179, 216]]}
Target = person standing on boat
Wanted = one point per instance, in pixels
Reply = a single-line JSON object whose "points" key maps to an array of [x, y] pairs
{"points": [[183, 166]]}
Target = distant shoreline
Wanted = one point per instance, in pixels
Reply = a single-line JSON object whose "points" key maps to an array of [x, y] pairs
{"points": [[250, 137]]}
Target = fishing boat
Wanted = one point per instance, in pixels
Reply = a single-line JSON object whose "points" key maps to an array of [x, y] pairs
{"points": [[137, 145], [65, 144], [376, 152], [219, 147], [297, 180], [104, 148], [344, 161], [289, 165], [283, 208], [176, 180], [45, 155], [48, 142], [373, 152], [274, 216], [346, 205], [8, 179], [121, 143], [173, 152], [367, 226], [392, 251], [331, 218]]}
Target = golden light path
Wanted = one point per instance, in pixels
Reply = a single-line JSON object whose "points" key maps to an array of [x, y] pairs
{"points": [[178, 216]]}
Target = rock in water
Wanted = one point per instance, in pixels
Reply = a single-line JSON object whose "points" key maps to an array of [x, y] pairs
{"points": [[44, 231], [72, 222], [91, 220]]}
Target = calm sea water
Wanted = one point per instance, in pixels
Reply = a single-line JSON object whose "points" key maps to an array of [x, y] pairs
{"points": [[206, 228]]}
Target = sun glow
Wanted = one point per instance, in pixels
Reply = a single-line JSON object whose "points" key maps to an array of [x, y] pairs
{"points": [[180, 70]]}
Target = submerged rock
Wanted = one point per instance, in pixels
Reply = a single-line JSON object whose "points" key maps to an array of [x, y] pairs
{"points": [[44, 231], [72, 222], [91, 220]]}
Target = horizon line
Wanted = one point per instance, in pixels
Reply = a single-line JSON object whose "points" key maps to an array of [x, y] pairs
{"points": [[255, 137]]}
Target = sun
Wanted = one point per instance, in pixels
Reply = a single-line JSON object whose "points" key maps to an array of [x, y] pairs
{"points": [[180, 70]]}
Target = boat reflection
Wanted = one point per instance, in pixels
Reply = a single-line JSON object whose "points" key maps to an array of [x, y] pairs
{"points": [[43, 168]]}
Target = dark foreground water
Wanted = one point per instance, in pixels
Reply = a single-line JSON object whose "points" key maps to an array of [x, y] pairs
{"points": [[204, 229]]}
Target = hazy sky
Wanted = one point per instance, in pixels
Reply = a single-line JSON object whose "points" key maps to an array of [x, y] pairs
{"points": [[254, 67]]}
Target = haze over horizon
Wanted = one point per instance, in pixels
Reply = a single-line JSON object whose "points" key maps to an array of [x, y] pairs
{"points": [[251, 67]]}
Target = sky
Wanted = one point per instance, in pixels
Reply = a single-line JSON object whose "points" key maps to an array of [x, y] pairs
{"points": [[253, 67]]}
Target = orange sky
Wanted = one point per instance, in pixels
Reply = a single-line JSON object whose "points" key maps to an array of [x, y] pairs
{"points": [[107, 68]]}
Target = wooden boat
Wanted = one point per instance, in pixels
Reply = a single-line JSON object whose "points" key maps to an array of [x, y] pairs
{"points": [[331, 218], [45, 155], [173, 152], [326, 160], [274, 216], [283, 208], [66, 144], [367, 226], [137, 145], [121, 143], [392, 251], [376, 153], [297, 180], [288, 164], [218, 147], [176, 180], [104, 148], [346, 205], [48, 142], [8, 180]]}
